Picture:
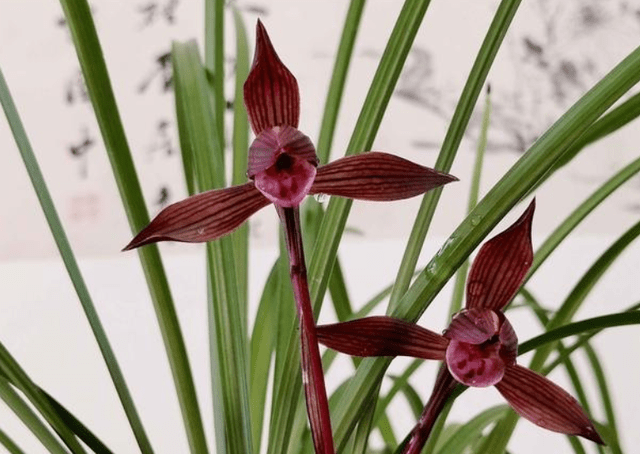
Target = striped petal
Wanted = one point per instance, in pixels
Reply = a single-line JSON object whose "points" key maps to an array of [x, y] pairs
{"points": [[202, 217], [382, 336], [273, 142], [473, 326], [377, 176], [271, 93], [501, 265], [545, 404]]}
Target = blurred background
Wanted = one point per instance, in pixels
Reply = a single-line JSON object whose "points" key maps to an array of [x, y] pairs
{"points": [[554, 52]]}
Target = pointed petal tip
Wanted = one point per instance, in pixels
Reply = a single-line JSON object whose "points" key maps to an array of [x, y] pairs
{"points": [[501, 265], [544, 403], [590, 433], [377, 176], [271, 93], [138, 241]]}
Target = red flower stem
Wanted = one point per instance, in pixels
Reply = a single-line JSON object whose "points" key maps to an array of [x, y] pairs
{"points": [[444, 386], [311, 363]]}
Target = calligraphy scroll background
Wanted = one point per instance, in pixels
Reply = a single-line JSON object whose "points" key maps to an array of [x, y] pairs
{"points": [[554, 52]]}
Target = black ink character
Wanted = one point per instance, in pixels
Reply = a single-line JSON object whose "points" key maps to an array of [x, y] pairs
{"points": [[163, 71], [79, 152]]}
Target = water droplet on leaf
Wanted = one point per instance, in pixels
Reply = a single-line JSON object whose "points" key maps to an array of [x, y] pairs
{"points": [[321, 198]]}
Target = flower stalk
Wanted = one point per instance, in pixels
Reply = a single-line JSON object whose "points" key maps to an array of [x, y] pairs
{"points": [[311, 361]]}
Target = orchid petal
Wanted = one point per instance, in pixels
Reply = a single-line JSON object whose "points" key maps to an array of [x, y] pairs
{"points": [[508, 342], [270, 92], [377, 176], [473, 326], [202, 217], [271, 143], [475, 365], [544, 403], [382, 336], [501, 265]]}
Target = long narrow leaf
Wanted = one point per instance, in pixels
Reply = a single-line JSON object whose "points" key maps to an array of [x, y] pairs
{"points": [[581, 342], [474, 191], [582, 289], [68, 257], [468, 432], [583, 326], [610, 122], [214, 62], [15, 374], [338, 79], [29, 418], [263, 340], [228, 336], [9, 444], [475, 81], [94, 70], [611, 437], [240, 150], [581, 212]]}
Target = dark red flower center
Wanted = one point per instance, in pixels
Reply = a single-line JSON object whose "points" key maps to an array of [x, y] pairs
{"points": [[282, 162], [482, 343]]}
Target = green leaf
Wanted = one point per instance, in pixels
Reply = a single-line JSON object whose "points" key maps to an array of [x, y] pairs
{"points": [[583, 339], [9, 444], [83, 433], [384, 81], [610, 122], [16, 375], [571, 329], [214, 61], [29, 418], [474, 190], [94, 70], [263, 341], [612, 439], [68, 257], [576, 382], [580, 213], [76, 426], [582, 289], [338, 79], [287, 366], [240, 149], [467, 433], [228, 334], [475, 81]]}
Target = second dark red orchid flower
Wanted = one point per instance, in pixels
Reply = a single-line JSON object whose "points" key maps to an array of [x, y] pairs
{"points": [[479, 347], [283, 169]]}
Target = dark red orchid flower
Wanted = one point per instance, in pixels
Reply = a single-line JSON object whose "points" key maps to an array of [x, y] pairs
{"points": [[283, 169], [479, 347]]}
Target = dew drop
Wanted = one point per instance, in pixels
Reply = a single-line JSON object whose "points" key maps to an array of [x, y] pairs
{"points": [[321, 198]]}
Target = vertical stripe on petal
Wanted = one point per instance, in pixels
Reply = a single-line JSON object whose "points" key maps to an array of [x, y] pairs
{"points": [[545, 404], [501, 265], [270, 92]]}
